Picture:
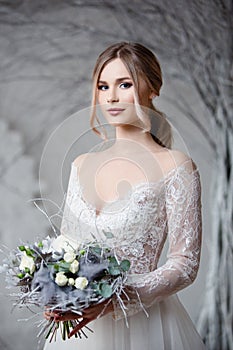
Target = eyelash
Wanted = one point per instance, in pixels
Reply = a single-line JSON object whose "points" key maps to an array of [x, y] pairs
{"points": [[101, 87], [128, 85], [105, 87]]}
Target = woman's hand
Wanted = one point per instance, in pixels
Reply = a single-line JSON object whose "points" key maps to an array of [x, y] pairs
{"points": [[61, 316], [92, 313], [88, 315]]}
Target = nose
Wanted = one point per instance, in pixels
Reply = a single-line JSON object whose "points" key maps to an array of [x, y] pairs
{"points": [[111, 100], [112, 97]]}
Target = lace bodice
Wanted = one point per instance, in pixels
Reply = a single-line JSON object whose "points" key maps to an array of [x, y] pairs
{"points": [[137, 227]]}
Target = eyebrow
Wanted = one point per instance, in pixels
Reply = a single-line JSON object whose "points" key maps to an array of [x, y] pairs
{"points": [[118, 80]]}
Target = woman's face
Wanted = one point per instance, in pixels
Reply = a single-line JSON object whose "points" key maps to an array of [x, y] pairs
{"points": [[116, 94]]}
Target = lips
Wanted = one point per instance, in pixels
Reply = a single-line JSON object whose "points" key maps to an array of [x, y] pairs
{"points": [[115, 111]]}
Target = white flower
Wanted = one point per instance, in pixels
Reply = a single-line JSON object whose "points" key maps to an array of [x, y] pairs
{"points": [[27, 262], [81, 283], [62, 242], [45, 245], [71, 282], [61, 279], [69, 257], [74, 266]]}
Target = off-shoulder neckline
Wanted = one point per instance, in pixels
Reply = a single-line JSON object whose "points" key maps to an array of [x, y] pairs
{"points": [[165, 177], [143, 184]]}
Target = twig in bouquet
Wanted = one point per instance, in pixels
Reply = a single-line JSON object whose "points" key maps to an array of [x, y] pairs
{"points": [[60, 213], [93, 236], [116, 257], [65, 330], [68, 281], [37, 251], [41, 324], [141, 304], [44, 324], [26, 297], [53, 327], [96, 227], [104, 308], [78, 334], [50, 328], [89, 329], [122, 304], [21, 302], [74, 325], [78, 312], [81, 331], [35, 314], [43, 211], [49, 200]]}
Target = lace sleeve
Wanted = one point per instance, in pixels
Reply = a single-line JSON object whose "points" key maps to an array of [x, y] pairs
{"points": [[184, 225]]}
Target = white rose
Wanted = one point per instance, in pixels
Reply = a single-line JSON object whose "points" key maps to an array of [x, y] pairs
{"points": [[71, 282], [62, 242], [81, 283], [61, 279], [27, 262], [74, 266], [69, 257]]}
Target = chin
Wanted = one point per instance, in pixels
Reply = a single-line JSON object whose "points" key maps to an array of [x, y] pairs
{"points": [[123, 122]]}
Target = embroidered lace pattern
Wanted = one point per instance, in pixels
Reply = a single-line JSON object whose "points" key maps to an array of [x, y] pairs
{"points": [[139, 225]]}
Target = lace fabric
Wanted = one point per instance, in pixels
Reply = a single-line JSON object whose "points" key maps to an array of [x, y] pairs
{"points": [[139, 225]]}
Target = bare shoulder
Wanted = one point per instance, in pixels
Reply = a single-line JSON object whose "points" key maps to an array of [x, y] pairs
{"points": [[175, 158], [79, 160]]}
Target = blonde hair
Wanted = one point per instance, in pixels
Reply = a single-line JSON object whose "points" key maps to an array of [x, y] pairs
{"points": [[139, 61]]}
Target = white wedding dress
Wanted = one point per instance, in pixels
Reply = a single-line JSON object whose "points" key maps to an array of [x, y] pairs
{"points": [[140, 224]]}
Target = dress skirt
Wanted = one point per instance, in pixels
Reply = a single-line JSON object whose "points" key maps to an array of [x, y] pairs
{"points": [[168, 327]]}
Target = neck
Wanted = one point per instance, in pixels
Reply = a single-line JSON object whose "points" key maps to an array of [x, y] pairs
{"points": [[133, 134], [130, 132]]}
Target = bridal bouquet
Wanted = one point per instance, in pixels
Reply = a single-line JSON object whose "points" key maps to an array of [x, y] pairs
{"points": [[58, 275]]}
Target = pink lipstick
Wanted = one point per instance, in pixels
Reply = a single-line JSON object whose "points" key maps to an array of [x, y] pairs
{"points": [[115, 111]]}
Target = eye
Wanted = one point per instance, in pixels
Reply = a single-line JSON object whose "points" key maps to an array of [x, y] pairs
{"points": [[102, 87], [126, 85]]}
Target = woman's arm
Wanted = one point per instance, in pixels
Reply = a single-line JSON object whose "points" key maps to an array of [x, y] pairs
{"points": [[184, 220]]}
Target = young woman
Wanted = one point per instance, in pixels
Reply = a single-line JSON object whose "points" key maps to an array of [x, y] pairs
{"points": [[143, 192]]}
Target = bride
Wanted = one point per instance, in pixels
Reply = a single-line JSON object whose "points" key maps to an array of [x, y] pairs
{"points": [[144, 193]]}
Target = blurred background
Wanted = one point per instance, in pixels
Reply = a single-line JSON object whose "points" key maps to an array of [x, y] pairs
{"points": [[48, 50]]}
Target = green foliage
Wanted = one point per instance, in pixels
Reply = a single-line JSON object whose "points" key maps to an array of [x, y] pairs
{"points": [[21, 248], [29, 252], [108, 234], [115, 268], [21, 275], [97, 250], [63, 266], [125, 265], [105, 290], [40, 245]]}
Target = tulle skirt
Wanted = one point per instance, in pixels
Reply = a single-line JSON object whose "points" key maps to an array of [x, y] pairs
{"points": [[168, 327]]}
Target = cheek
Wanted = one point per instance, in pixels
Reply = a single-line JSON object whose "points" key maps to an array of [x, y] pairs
{"points": [[99, 98], [128, 97]]}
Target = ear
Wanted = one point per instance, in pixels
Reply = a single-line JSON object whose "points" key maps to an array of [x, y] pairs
{"points": [[152, 95]]}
